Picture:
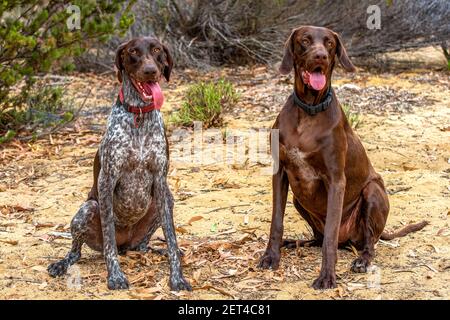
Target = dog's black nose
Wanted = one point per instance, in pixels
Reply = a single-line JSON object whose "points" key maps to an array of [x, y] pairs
{"points": [[150, 70], [320, 56]]}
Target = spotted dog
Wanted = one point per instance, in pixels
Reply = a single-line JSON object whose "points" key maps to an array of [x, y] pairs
{"points": [[130, 196]]}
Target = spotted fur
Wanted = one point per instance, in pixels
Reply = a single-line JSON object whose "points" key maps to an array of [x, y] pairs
{"points": [[131, 197]]}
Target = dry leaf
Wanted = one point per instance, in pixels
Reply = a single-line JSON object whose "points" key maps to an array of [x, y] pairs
{"points": [[43, 285], [249, 230], [7, 209], [39, 268], [193, 219], [232, 272], [355, 286], [181, 230], [250, 284], [46, 238], [177, 184], [355, 252], [340, 291], [196, 275], [245, 238], [9, 241], [148, 290], [40, 225], [143, 297], [208, 287]]}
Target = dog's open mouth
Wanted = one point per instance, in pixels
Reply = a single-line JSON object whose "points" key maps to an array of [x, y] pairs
{"points": [[144, 89], [149, 92], [316, 79]]}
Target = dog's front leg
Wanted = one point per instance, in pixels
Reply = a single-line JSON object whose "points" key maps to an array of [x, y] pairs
{"points": [[164, 203], [280, 187], [106, 185], [327, 277]]}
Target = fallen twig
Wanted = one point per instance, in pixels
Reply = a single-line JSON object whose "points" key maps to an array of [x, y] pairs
{"points": [[229, 207], [65, 235], [428, 266], [210, 287], [22, 279]]}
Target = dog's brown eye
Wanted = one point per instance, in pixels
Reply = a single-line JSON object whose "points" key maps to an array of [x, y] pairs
{"points": [[132, 51], [305, 42], [330, 44], [156, 50]]}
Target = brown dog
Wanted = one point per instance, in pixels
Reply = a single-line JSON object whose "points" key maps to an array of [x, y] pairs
{"points": [[336, 189]]}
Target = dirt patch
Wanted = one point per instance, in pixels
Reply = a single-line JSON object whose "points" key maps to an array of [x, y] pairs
{"points": [[223, 212]]}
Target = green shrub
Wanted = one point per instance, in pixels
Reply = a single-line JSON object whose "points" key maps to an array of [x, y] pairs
{"points": [[35, 39], [353, 118], [46, 106], [205, 101]]}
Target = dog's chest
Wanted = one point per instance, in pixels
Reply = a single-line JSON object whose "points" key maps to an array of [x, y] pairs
{"points": [[136, 156], [300, 163], [302, 154], [146, 149], [137, 147]]}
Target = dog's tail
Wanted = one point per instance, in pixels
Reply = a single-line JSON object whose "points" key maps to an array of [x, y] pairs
{"points": [[404, 231]]}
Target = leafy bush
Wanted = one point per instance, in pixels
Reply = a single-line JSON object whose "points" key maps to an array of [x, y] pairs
{"points": [[217, 32], [35, 38], [205, 102], [47, 107], [353, 118]]}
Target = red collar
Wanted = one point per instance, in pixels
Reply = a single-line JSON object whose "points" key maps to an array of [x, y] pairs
{"points": [[138, 111]]}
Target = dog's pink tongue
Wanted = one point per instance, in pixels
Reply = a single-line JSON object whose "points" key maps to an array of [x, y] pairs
{"points": [[317, 80], [153, 89]]}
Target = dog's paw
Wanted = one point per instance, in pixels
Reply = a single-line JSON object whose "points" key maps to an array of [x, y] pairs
{"points": [[57, 269], [325, 281], [122, 251], [142, 247], [179, 283], [118, 281], [360, 265], [269, 260]]}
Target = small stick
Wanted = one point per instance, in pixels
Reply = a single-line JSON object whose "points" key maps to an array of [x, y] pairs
{"points": [[22, 279], [230, 207]]}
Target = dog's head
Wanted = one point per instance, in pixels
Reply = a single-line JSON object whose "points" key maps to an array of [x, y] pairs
{"points": [[311, 51], [144, 60]]}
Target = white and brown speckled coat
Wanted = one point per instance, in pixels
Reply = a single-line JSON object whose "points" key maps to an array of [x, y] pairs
{"points": [[130, 196]]}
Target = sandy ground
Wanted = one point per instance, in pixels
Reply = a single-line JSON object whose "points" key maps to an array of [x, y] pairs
{"points": [[222, 211]]}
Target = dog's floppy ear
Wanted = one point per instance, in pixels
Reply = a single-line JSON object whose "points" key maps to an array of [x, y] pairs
{"points": [[168, 63], [288, 59], [118, 61], [344, 60]]}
